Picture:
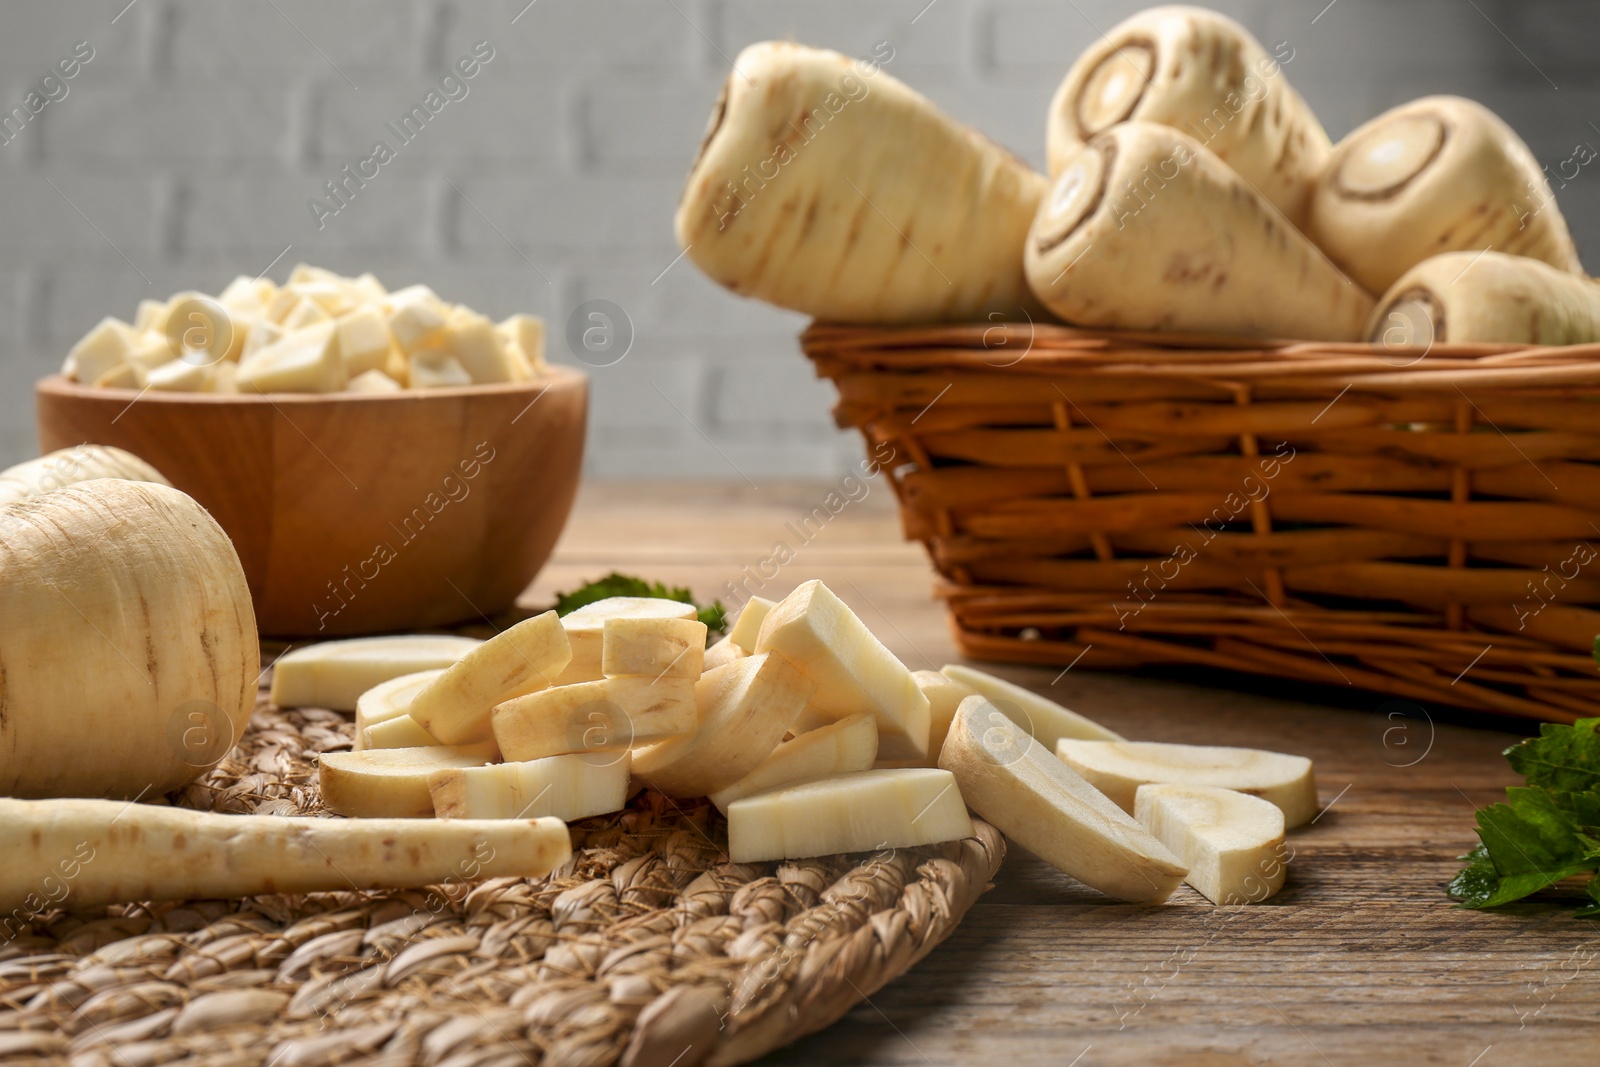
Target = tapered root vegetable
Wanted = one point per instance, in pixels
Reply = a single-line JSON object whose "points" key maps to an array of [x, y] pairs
{"points": [[1119, 768], [861, 812], [455, 707], [1043, 719], [1440, 174], [391, 783], [335, 674], [827, 187], [68, 466], [1045, 806], [1146, 229], [88, 853], [837, 748], [130, 656], [1486, 297], [1232, 843], [1204, 74], [567, 787]]}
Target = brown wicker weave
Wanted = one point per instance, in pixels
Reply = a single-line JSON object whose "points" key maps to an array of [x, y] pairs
{"points": [[648, 949], [1419, 522]]}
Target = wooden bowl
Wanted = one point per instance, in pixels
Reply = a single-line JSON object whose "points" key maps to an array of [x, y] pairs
{"points": [[357, 513]]}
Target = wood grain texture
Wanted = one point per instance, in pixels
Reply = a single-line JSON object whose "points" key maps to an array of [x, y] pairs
{"points": [[1362, 959], [359, 513]]}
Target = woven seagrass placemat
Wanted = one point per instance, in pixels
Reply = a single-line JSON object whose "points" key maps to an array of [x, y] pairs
{"points": [[648, 949]]}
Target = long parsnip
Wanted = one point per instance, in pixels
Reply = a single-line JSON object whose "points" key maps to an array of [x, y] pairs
{"points": [[1486, 297], [68, 466]]}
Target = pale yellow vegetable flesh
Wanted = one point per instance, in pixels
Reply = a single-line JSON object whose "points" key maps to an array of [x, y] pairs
{"points": [[68, 466], [335, 674], [402, 731], [1041, 717], [860, 812], [852, 669], [529, 656], [653, 648], [585, 629], [567, 787], [828, 187], [1146, 229], [130, 657], [722, 653], [391, 782], [1487, 297], [1232, 843], [746, 628], [614, 713], [1440, 174], [837, 748], [1204, 74], [388, 700], [1119, 768], [1013, 782], [102, 852]]}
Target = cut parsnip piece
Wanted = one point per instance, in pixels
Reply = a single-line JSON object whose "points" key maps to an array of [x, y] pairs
{"points": [[1119, 768], [614, 713], [304, 361], [433, 368], [1047, 721], [860, 812], [101, 350], [388, 700], [528, 657], [852, 236], [143, 852], [402, 731], [653, 648], [585, 628], [567, 787], [1203, 73], [527, 333], [854, 672], [181, 376], [1232, 843], [747, 627], [1440, 174], [1488, 297], [363, 341], [373, 381], [1032, 797], [745, 707], [945, 695], [416, 317], [124, 376], [837, 748], [1210, 254], [472, 339], [68, 466], [335, 674], [390, 783], [721, 653]]}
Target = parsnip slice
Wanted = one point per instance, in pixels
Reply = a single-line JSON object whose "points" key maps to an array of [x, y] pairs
{"points": [[722, 653], [387, 700], [335, 674], [1119, 768], [391, 783], [847, 745], [655, 648], [747, 627], [529, 656], [615, 713], [1015, 783], [1231, 842], [120, 852], [853, 670], [945, 695], [745, 707], [860, 812], [585, 628], [566, 787], [1047, 721], [304, 361], [402, 731]]}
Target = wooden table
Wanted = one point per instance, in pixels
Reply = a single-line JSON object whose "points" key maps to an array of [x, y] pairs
{"points": [[1360, 960]]}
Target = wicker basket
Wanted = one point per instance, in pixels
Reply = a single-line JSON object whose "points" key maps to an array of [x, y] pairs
{"points": [[1425, 523]]}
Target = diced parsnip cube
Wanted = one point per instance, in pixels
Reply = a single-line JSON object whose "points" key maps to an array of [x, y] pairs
{"points": [[472, 339], [373, 381], [598, 716], [860, 812], [364, 341], [653, 648], [151, 315], [527, 331], [585, 628], [390, 782], [399, 366], [306, 274], [1119, 768], [847, 745], [124, 376], [389, 700], [225, 378], [456, 706], [1232, 843], [724, 651], [181, 376], [854, 672], [566, 787], [416, 317], [432, 368], [247, 293], [334, 298], [745, 708], [747, 627], [306, 361], [341, 674], [282, 303], [522, 368], [401, 731], [1044, 719], [152, 350], [369, 289], [259, 334], [306, 313], [100, 351]]}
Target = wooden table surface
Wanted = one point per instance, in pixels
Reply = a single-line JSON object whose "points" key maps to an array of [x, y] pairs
{"points": [[1360, 960]]}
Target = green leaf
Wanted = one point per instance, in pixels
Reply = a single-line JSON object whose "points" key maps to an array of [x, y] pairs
{"points": [[615, 584], [1591, 911], [1532, 843], [1477, 881], [1563, 759]]}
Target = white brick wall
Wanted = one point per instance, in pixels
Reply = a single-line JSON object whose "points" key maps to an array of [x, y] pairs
{"points": [[194, 137]]}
